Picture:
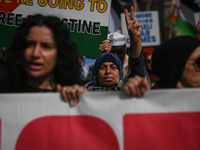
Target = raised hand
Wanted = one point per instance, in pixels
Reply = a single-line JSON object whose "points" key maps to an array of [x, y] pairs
{"points": [[105, 46], [133, 26], [134, 31]]}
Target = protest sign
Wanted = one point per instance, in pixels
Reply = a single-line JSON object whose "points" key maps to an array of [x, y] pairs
{"points": [[196, 18], [150, 35], [87, 20], [162, 119]]}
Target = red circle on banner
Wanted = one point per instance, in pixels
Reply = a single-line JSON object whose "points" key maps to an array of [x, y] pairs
{"points": [[67, 132]]}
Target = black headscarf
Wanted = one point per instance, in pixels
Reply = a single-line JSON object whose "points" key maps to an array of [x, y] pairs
{"points": [[169, 59]]}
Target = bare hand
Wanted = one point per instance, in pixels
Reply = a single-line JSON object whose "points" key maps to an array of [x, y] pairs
{"points": [[72, 94], [198, 27], [58, 88], [105, 46], [133, 26], [136, 86]]}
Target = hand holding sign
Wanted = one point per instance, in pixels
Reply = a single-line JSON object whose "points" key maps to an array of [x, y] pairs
{"points": [[133, 26], [105, 46], [198, 27], [136, 86], [72, 94]]}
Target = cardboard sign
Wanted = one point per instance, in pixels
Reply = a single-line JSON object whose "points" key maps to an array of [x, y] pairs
{"points": [[196, 18], [150, 35], [87, 20]]}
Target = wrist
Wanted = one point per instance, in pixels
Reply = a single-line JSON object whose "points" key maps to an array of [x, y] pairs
{"points": [[135, 39]]}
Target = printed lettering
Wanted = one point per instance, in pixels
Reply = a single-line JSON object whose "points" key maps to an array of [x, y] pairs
{"points": [[18, 20], [20, 1], [83, 26], [72, 24], [86, 27], [96, 28], [102, 3], [53, 5], [2, 17], [92, 4], [42, 4], [78, 6], [29, 2], [11, 19], [68, 3], [128, 40], [8, 1]]}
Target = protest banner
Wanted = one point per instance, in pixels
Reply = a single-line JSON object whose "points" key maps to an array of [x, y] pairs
{"points": [[87, 20], [150, 35], [162, 119]]}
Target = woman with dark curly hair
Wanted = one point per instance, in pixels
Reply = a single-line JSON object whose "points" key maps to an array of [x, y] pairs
{"points": [[41, 57]]}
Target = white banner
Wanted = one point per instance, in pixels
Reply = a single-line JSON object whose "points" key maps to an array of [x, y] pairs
{"points": [[162, 119], [150, 35]]}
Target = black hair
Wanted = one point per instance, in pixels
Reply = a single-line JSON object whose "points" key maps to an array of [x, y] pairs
{"points": [[67, 68]]}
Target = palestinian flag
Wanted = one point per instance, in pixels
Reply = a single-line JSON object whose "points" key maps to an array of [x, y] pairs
{"points": [[183, 16], [7, 31], [87, 21]]}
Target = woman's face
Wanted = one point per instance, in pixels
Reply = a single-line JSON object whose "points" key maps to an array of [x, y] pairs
{"points": [[108, 74], [41, 52], [191, 73]]}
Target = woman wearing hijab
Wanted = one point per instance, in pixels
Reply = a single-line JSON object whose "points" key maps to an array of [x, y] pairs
{"points": [[171, 60], [176, 63], [107, 74]]}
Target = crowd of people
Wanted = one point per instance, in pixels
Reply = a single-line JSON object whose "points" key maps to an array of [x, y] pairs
{"points": [[42, 58]]}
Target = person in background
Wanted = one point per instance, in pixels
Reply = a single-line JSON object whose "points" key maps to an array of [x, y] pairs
{"points": [[41, 58], [108, 74], [176, 63], [84, 67], [133, 64], [148, 63], [116, 44]]}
